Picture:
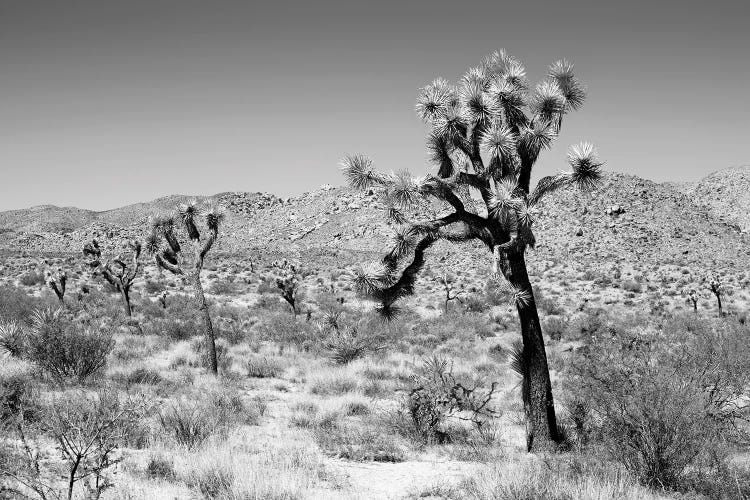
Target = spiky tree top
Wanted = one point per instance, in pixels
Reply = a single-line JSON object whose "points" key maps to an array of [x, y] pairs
{"points": [[116, 271], [487, 132], [164, 244]]}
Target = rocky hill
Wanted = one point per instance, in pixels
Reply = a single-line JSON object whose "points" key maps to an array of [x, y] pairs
{"points": [[726, 193], [630, 230]]}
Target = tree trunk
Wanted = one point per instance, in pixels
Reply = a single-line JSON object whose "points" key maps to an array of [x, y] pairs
{"points": [[125, 292], [718, 301], [209, 329], [541, 423]]}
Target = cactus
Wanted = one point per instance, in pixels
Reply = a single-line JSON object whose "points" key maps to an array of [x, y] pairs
{"points": [[118, 272], [57, 283], [170, 255], [486, 135]]}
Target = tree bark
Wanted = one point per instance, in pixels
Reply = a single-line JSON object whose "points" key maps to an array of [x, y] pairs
{"points": [[541, 423], [126, 301], [718, 301], [208, 326]]}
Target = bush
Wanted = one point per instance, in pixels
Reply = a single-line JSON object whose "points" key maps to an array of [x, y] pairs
{"points": [[16, 305], [88, 429], [632, 286], [64, 349], [32, 278], [435, 397], [555, 327], [263, 367], [16, 397], [343, 347], [223, 287], [191, 422], [160, 467], [660, 398], [359, 443], [172, 328]]}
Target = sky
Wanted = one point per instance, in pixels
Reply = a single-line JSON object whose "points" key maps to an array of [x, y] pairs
{"points": [[105, 103]]}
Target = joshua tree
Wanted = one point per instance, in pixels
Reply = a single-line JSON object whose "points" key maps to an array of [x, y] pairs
{"points": [[486, 135], [714, 285], [447, 281], [170, 256], [118, 273], [57, 283], [288, 282]]}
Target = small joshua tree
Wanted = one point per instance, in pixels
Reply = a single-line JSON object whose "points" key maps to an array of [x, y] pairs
{"points": [[118, 272], [486, 135], [693, 297], [288, 282], [714, 285], [57, 283], [450, 294], [168, 253]]}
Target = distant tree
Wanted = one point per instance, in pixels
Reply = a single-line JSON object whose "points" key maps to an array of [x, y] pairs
{"points": [[693, 297], [450, 294], [486, 135], [57, 283], [288, 280], [118, 272], [715, 286], [168, 253]]}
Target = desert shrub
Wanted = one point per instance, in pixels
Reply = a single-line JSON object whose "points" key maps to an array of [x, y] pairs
{"points": [[267, 286], [67, 350], [32, 278], [276, 472], [172, 328], [154, 287], [476, 303], [16, 305], [359, 443], [283, 328], [189, 423], [554, 326], [333, 384], [224, 287], [462, 329], [143, 375], [632, 286], [264, 367], [343, 347], [88, 429], [661, 398], [160, 467], [546, 304], [192, 422], [436, 397], [549, 481], [17, 398]]}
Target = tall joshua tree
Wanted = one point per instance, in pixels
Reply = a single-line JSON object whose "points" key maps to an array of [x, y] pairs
{"points": [[118, 271], [168, 253], [486, 134]]}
